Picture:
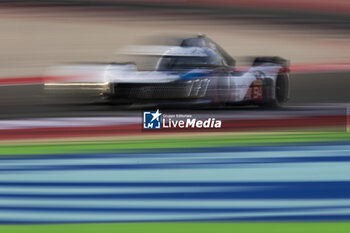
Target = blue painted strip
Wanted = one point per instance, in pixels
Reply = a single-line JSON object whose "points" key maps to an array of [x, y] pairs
{"points": [[283, 192], [314, 217], [164, 210], [301, 184], [302, 176], [213, 163]]}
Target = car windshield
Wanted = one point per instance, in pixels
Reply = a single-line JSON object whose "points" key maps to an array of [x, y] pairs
{"points": [[185, 62]]}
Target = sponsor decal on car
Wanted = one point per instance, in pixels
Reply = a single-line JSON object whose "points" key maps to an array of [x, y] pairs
{"points": [[255, 91]]}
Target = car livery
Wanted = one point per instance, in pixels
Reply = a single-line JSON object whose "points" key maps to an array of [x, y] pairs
{"points": [[194, 72]]}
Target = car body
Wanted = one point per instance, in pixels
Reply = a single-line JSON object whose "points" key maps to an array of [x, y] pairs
{"points": [[197, 71]]}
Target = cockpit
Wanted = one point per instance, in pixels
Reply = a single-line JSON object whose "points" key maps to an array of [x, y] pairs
{"points": [[205, 42], [179, 58]]}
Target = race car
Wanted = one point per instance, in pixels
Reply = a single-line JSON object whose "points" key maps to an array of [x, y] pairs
{"points": [[196, 71]]}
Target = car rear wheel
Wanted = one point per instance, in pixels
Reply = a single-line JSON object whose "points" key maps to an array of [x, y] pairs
{"points": [[281, 93]]}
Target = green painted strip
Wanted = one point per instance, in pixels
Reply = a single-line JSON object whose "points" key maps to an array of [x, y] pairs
{"points": [[188, 141], [333, 227]]}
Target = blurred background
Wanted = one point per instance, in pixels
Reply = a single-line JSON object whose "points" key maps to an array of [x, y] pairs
{"points": [[73, 161], [312, 35]]}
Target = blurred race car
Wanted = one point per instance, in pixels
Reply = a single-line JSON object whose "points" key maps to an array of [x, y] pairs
{"points": [[197, 71]]}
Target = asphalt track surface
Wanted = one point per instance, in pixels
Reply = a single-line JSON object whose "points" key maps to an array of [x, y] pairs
{"points": [[309, 91]]}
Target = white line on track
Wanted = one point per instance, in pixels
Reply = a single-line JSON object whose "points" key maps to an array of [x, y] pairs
{"points": [[67, 122]]}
